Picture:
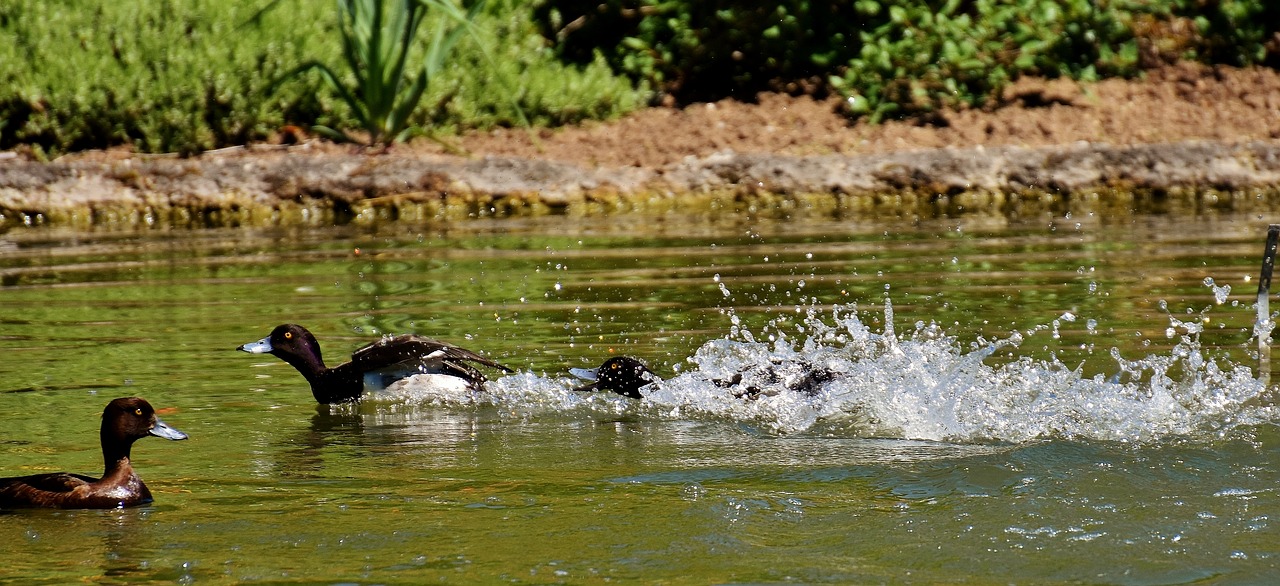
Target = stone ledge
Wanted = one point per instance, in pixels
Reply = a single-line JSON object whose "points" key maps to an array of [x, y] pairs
{"points": [[287, 186]]}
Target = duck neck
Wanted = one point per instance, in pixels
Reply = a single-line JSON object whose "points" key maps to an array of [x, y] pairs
{"points": [[115, 454], [312, 368], [337, 385]]}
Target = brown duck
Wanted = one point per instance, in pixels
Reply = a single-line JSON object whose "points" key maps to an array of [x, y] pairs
{"points": [[123, 421]]}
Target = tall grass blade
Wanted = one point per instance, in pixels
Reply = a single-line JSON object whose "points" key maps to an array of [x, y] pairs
{"points": [[378, 40]]}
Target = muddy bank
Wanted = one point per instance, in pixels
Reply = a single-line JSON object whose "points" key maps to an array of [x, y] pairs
{"points": [[1182, 138], [267, 185]]}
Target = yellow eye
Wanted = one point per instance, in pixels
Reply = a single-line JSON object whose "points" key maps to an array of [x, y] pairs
{"points": [[137, 411], [288, 335]]}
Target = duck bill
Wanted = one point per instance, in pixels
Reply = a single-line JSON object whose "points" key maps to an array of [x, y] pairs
{"points": [[162, 429], [588, 374], [262, 346]]}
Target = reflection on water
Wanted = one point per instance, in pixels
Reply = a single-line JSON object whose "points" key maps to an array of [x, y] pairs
{"points": [[1064, 400]]}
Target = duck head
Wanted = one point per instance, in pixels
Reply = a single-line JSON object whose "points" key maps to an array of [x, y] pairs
{"points": [[291, 343], [133, 418], [623, 375], [126, 420]]}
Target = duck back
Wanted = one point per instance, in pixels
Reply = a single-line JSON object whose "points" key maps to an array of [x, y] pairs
{"points": [[64, 490]]}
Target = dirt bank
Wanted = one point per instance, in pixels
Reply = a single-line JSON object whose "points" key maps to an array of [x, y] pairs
{"points": [[1196, 135]]}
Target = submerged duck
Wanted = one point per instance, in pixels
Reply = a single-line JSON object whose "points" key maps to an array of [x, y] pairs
{"points": [[123, 421], [375, 365], [756, 382], [626, 376]]}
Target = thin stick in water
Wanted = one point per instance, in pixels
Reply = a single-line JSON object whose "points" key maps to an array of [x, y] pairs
{"points": [[1263, 326]]}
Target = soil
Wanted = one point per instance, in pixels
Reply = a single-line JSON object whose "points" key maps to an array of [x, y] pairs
{"points": [[1197, 132], [1177, 103]]}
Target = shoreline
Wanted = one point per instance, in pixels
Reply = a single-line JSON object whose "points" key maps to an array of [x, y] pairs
{"points": [[302, 185]]}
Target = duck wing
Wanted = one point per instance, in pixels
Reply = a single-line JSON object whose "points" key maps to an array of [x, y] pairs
{"points": [[413, 354], [53, 482], [41, 490]]}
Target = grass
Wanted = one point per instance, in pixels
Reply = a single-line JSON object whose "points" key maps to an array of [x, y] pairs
{"points": [[189, 75], [378, 46], [186, 75]]}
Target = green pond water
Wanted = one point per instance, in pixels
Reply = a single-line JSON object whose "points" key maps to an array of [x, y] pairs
{"points": [[1056, 400]]}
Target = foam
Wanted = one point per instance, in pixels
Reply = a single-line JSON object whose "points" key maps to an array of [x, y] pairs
{"points": [[919, 385]]}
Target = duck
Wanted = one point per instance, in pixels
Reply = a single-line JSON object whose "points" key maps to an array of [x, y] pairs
{"points": [[755, 381], [624, 375], [124, 421], [627, 376], [375, 365]]}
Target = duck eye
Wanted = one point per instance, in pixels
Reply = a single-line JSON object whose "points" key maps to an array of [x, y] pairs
{"points": [[137, 411], [288, 335]]}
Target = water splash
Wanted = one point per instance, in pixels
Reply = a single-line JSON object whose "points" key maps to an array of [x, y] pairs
{"points": [[921, 385], [1220, 293]]}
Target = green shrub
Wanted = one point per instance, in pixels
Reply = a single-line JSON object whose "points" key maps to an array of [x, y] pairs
{"points": [[896, 57], [918, 58], [1237, 32], [378, 45], [705, 49], [524, 66], [189, 75], [165, 75]]}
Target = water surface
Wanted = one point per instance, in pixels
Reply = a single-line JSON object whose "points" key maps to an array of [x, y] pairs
{"points": [[1056, 400]]}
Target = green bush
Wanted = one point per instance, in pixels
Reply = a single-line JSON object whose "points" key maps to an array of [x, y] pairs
{"points": [[1236, 32], [898, 57], [163, 75], [379, 44], [522, 69], [917, 58], [189, 75], [705, 49]]}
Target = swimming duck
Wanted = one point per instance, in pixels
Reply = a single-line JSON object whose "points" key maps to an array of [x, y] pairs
{"points": [[626, 375], [375, 365], [623, 375], [123, 421]]}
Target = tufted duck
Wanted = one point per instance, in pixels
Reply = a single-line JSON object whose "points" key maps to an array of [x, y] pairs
{"points": [[124, 420], [625, 376], [375, 365]]}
